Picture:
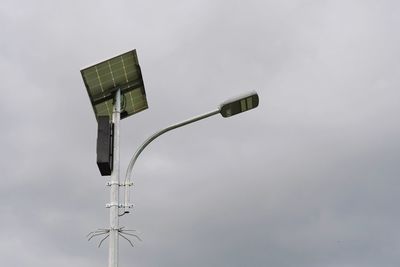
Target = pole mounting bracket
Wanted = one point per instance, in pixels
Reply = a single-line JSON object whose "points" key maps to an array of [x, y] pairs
{"points": [[113, 204], [119, 184]]}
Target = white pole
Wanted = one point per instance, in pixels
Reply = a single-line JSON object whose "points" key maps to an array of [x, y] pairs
{"points": [[114, 187]]}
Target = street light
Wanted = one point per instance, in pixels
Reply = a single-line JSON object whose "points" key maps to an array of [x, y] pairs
{"points": [[239, 104], [227, 109], [116, 90]]}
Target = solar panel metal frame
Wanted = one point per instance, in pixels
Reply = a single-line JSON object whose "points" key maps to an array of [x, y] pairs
{"points": [[122, 72]]}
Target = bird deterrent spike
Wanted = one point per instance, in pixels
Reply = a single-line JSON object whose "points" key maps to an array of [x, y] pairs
{"points": [[97, 235], [133, 235], [103, 240], [130, 242], [98, 231]]}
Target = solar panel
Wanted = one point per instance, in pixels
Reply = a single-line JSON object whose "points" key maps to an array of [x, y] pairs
{"points": [[105, 78]]}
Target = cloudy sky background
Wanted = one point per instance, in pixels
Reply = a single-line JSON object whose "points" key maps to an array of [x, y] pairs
{"points": [[310, 178]]}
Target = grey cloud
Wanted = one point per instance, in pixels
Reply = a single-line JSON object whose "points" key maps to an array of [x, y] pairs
{"points": [[307, 179]]}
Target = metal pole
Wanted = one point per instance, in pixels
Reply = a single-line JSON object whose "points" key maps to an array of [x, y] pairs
{"points": [[114, 186]]}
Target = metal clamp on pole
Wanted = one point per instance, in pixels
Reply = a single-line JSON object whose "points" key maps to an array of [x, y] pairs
{"points": [[113, 204], [127, 184], [113, 183], [119, 184]]}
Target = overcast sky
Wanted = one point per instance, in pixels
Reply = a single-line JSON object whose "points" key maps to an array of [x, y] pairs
{"points": [[309, 178]]}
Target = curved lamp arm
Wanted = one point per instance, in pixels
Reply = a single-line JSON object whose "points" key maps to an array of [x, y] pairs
{"points": [[227, 109], [149, 140]]}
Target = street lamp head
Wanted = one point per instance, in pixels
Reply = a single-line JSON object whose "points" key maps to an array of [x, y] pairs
{"points": [[239, 104]]}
